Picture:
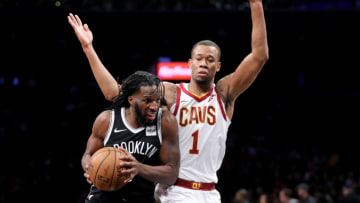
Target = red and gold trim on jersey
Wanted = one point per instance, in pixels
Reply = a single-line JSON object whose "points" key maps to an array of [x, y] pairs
{"points": [[180, 88], [194, 96], [195, 185]]}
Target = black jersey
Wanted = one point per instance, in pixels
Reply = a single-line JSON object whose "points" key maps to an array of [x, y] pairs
{"points": [[144, 144]]}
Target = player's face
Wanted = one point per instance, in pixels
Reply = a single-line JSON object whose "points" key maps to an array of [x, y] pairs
{"points": [[147, 102], [204, 63]]}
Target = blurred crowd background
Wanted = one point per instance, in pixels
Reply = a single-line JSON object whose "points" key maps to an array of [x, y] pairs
{"points": [[109, 5], [294, 130]]}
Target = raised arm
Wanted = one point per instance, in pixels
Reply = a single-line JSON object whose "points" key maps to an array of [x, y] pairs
{"points": [[106, 81], [231, 86], [169, 155], [96, 140]]}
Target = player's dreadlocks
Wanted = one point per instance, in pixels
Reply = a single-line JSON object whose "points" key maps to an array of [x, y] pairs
{"points": [[132, 84]]}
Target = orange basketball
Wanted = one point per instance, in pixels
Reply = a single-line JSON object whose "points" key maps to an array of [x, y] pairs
{"points": [[105, 171]]}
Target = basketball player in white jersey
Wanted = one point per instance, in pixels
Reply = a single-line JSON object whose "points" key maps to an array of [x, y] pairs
{"points": [[203, 110]]}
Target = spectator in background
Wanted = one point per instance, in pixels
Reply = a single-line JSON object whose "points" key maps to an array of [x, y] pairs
{"points": [[285, 196], [304, 194], [348, 194], [263, 198], [241, 196]]}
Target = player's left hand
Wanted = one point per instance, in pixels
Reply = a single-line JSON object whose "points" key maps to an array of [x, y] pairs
{"points": [[86, 174]]}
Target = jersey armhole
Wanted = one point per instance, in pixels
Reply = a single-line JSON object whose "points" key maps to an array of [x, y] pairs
{"points": [[111, 125], [221, 104], [159, 125], [178, 93]]}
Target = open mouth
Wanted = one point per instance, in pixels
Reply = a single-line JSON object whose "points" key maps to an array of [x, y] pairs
{"points": [[150, 116]]}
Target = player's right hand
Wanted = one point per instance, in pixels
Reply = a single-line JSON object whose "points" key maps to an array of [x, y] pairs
{"points": [[130, 164], [86, 175], [83, 33]]}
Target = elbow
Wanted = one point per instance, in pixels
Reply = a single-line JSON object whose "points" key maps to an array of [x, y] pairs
{"points": [[111, 96], [174, 176], [262, 56], [261, 52], [266, 55], [110, 92], [172, 181]]}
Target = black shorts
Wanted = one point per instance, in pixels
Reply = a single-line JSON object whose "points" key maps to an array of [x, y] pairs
{"points": [[97, 196]]}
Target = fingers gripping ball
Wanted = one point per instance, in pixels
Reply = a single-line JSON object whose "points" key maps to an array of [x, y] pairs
{"points": [[105, 171]]}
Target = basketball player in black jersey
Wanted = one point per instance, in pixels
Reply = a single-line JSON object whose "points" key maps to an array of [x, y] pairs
{"points": [[135, 123]]}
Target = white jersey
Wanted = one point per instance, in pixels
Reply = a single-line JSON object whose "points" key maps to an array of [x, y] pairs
{"points": [[203, 126]]}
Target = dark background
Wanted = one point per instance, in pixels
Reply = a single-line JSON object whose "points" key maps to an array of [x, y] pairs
{"points": [[297, 123]]}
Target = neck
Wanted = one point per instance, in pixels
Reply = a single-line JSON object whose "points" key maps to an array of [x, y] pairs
{"points": [[199, 88], [130, 117]]}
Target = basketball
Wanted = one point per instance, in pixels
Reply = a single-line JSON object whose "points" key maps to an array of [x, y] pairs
{"points": [[105, 171]]}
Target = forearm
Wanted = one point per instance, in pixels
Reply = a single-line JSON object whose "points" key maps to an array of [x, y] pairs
{"points": [[105, 80], [164, 174], [259, 43]]}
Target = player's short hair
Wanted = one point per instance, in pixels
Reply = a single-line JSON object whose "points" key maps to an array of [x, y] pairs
{"points": [[207, 43], [132, 85]]}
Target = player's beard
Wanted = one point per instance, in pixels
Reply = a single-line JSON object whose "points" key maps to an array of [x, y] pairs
{"points": [[140, 118], [202, 82]]}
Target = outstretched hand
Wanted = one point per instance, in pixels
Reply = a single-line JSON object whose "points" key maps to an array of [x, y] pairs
{"points": [[82, 32]]}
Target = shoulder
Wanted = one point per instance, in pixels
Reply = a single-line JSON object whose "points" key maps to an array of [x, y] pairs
{"points": [[170, 93], [103, 117], [102, 123], [169, 86]]}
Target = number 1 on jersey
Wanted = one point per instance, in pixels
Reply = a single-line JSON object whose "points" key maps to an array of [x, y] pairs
{"points": [[194, 149]]}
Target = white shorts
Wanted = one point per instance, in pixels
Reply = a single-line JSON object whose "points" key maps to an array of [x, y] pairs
{"points": [[176, 194]]}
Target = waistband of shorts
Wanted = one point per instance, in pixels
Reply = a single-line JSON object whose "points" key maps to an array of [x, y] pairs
{"points": [[195, 185]]}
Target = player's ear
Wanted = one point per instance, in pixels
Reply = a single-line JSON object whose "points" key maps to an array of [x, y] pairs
{"points": [[218, 65], [189, 61], [131, 100]]}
